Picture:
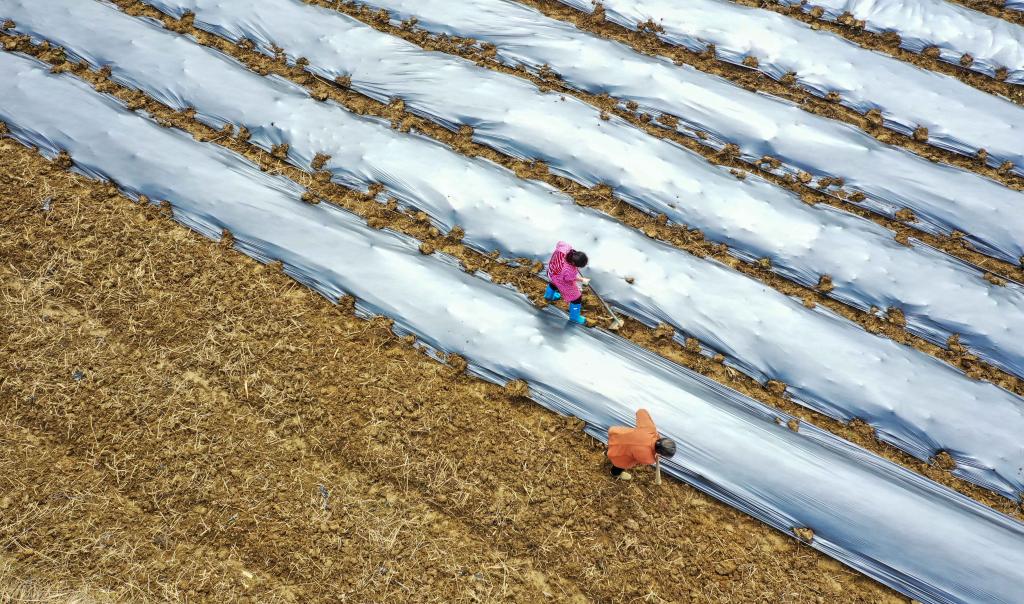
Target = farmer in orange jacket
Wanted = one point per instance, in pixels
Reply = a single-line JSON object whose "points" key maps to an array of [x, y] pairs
{"points": [[640, 446]]}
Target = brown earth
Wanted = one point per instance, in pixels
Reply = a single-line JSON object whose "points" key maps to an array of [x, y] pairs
{"points": [[996, 8], [524, 277], [180, 422]]}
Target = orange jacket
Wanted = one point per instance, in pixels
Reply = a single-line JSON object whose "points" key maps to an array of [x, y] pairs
{"points": [[631, 447]]}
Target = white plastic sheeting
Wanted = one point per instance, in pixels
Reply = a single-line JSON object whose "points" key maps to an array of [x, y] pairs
{"points": [[895, 526], [917, 403], [942, 198], [938, 295], [954, 29], [958, 117]]}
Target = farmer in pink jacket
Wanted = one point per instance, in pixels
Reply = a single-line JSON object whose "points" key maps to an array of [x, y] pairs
{"points": [[565, 277]]}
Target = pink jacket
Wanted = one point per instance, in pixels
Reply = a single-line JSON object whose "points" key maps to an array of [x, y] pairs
{"points": [[562, 274]]}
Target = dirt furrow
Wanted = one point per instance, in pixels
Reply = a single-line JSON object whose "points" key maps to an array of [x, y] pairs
{"points": [[996, 8], [254, 391], [522, 274], [887, 322], [750, 79], [209, 536], [889, 43]]}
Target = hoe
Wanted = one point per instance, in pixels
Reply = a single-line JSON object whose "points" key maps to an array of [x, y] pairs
{"points": [[617, 323]]}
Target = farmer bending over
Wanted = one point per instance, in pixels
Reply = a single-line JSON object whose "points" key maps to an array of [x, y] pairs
{"points": [[564, 275], [640, 446]]}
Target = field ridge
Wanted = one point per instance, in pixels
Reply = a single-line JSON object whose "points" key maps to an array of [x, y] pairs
{"points": [[995, 8]]}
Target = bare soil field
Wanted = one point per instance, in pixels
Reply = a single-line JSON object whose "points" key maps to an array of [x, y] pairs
{"points": [[996, 8], [181, 423]]}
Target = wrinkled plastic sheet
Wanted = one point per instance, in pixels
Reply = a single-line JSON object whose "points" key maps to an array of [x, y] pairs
{"points": [[954, 29], [958, 117], [894, 525], [917, 403], [714, 111], [938, 294]]}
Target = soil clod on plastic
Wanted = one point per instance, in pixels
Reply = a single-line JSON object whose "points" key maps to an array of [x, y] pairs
{"points": [[457, 363], [518, 389], [943, 460]]}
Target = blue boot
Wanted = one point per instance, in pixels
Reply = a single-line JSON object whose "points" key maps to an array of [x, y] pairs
{"points": [[551, 294], [574, 313]]}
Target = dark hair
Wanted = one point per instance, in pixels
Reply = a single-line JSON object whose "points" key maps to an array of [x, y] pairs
{"points": [[666, 447], [577, 259]]}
